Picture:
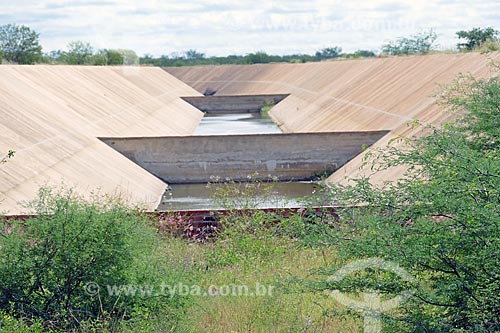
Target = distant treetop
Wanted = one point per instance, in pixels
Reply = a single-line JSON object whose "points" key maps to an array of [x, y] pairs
{"points": [[20, 44], [476, 37], [421, 43]]}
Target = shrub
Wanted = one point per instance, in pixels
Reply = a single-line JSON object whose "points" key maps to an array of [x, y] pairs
{"points": [[11, 324], [475, 37], [421, 43], [441, 221], [490, 46], [20, 44], [79, 53], [329, 53], [57, 266]]}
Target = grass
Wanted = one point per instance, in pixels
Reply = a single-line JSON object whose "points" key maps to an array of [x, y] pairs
{"points": [[249, 253], [271, 263]]}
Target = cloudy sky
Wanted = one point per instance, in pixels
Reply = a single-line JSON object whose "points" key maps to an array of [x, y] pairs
{"points": [[222, 27]]}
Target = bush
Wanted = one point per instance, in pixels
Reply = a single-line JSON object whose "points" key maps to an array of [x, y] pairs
{"points": [[421, 43], [476, 37], [11, 324], [329, 53], [441, 221], [57, 266], [490, 46], [79, 53], [97, 59], [20, 44]]}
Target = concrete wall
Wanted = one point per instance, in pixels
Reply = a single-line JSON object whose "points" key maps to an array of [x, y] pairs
{"points": [[52, 115], [351, 95], [287, 156], [233, 104]]}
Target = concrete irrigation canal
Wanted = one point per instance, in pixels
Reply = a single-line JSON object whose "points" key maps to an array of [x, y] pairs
{"points": [[138, 131], [219, 150]]}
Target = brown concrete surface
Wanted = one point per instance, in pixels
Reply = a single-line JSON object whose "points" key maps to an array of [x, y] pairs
{"points": [[233, 104], [52, 115], [196, 159], [351, 95]]}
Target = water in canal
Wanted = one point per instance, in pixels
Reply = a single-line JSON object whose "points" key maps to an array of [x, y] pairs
{"points": [[242, 195], [238, 195], [239, 123]]}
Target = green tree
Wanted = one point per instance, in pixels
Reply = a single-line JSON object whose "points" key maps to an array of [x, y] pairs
{"points": [[129, 57], [476, 37], [53, 57], [48, 263], [114, 57], [329, 53], [441, 221], [20, 44], [194, 55], [258, 58], [79, 53], [421, 43], [365, 53], [98, 59]]}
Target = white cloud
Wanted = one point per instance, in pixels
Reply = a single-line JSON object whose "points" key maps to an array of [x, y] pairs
{"points": [[227, 27]]}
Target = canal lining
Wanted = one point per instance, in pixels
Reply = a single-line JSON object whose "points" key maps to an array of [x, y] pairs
{"points": [[234, 103], [198, 159]]}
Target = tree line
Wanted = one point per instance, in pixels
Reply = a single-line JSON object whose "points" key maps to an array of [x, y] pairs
{"points": [[21, 44]]}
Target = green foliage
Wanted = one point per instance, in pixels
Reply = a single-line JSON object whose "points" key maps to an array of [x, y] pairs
{"points": [[130, 58], [245, 239], [365, 53], [490, 46], [114, 57], [193, 58], [229, 194], [53, 57], [20, 44], [329, 53], [194, 55], [265, 109], [441, 221], [12, 324], [98, 59], [421, 43], [48, 262], [258, 58], [250, 249], [79, 53], [476, 37], [359, 54]]}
